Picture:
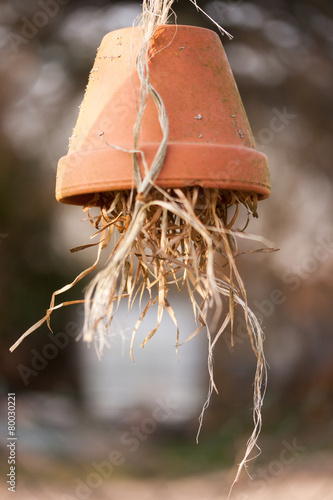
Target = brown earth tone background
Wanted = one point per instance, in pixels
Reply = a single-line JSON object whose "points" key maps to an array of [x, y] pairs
{"points": [[281, 56]]}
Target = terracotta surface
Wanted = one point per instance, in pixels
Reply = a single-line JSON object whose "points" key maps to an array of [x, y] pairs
{"points": [[210, 140]]}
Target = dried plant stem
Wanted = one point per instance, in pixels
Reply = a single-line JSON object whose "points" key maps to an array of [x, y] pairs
{"points": [[176, 236], [170, 239]]}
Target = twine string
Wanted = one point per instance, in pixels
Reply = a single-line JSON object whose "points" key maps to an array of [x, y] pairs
{"points": [[174, 232]]}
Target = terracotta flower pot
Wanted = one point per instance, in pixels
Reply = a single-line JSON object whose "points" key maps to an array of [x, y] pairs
{"points": [[210, 139], [167, 239]]}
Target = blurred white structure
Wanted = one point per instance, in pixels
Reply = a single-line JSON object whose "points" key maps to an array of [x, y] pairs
{"points": [[115, 384]]}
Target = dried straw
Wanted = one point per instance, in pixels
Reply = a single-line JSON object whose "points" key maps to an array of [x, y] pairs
{"points": [[167, 238]]}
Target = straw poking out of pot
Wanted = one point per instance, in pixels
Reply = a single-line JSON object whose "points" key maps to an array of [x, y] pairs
{"points": [[177, 233]]}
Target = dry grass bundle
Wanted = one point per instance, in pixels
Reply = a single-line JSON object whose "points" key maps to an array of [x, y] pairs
{"points": [[177, 233], [170, 241]]}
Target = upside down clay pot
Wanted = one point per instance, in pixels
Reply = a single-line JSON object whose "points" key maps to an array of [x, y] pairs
{"points": [[210, 140]]}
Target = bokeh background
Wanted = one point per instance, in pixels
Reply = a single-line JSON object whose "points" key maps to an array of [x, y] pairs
{"points": [[112, 429]]}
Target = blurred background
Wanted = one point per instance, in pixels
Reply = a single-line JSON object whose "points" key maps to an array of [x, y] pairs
{"points": [[108, 428]]}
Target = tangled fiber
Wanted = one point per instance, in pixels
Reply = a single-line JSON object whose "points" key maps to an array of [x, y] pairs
{"points": [[167, 238]]}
